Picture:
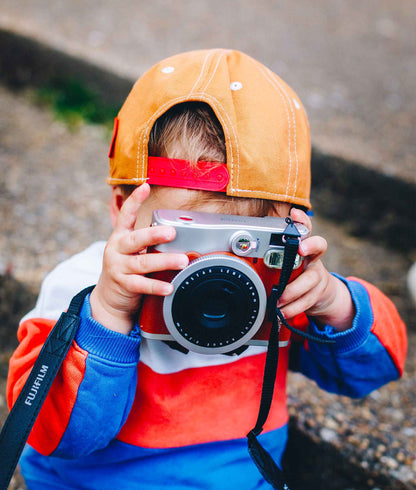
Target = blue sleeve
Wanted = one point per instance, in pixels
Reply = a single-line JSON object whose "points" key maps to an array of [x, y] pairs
{"points": [[357, 363], [106, 393]]}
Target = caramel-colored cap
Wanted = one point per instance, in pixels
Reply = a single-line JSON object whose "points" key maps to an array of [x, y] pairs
{"points": [[265, 125]]}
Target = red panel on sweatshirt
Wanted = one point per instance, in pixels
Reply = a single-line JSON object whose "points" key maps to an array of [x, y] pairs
{"points": [[387, 325], [54, 415], [165, 413]]}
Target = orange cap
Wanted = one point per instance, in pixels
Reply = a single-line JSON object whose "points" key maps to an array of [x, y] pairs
{"points": [[265, 125]]}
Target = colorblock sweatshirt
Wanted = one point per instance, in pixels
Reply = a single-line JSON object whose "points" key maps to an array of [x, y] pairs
{"points": [[128, 412]]}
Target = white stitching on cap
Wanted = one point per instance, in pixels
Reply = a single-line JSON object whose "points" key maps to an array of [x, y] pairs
{"points": [[177, 100], [265, 74], [277, 84], [282, 94], [140, 144], [202, 96], [215, 70], [212, 98], [274, 79], [284, 97], [201, 72]]}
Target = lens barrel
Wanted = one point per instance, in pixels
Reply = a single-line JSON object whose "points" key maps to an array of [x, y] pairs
{"points": [[218, 304]]}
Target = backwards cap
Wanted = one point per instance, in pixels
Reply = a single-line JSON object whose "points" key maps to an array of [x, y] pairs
{"points": [[264, 123]]}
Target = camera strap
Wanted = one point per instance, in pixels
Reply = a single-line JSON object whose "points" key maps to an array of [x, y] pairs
{"points": [[262, 459], [22, 416]]}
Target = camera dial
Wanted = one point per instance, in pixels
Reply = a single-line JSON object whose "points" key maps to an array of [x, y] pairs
{"points": [[242, 243]]}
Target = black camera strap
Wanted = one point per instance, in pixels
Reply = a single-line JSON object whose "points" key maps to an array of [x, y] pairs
{"points": [[20, 421], [262, 459]]}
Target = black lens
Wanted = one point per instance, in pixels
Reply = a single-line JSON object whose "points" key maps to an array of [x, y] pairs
{"points": [[214, 303], [215, 306]]}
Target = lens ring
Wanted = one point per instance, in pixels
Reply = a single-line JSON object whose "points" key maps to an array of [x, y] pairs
{"points": [[223, 269]]}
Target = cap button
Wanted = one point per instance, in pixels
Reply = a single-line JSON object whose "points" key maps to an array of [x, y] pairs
{"points": [[236, 86]]}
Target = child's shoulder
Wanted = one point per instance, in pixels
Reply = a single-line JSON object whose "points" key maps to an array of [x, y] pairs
{"points": [[66, 279]]}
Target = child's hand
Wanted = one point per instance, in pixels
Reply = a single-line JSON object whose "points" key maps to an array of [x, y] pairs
{"points": [[116, 298], [316, 292]]}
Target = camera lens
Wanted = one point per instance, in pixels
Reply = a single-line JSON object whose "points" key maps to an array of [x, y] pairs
{"points": [[217, 305], [213, 305]]}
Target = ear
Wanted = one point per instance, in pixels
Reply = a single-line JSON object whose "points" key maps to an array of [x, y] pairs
{"points": [[117, 200]]}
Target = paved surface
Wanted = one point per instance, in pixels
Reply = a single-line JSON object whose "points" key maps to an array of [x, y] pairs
{"points": [[352, 64]]}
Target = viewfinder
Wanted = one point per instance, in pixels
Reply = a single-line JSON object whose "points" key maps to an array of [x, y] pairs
{"points": [[276, 240]]}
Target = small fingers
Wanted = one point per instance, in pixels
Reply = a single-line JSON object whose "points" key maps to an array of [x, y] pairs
{"points": [[300, 216], [152, 262], [140, 239], [313, 247], [146, 285], [304, 292], [301, 305], [301, 285]]}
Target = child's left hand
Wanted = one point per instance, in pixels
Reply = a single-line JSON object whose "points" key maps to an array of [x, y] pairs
{"points": [[317, 292]]}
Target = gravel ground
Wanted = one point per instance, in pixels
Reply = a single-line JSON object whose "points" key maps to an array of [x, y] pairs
{"points": [[351, 62], [52, 192], [53, 202]]}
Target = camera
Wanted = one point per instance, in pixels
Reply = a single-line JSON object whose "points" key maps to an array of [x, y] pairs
{"points": [[219, 302]]}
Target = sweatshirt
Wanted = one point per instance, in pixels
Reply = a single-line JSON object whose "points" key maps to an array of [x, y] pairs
{"points": [[129, 412]]}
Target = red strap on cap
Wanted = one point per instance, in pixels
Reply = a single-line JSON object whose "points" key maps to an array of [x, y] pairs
{"points": [[171, 172]]}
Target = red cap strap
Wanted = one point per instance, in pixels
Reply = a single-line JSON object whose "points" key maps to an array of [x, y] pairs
{"points": [[171, 172]]}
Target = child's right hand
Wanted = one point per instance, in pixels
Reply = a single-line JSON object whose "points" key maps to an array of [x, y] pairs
{"points": [[116, 298]]}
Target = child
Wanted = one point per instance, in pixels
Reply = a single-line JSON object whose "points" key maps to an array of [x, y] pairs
{"points": [[126, 411]]}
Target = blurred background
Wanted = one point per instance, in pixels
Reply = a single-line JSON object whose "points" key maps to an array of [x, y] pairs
{"points": [[65, 68], [352, 63]]}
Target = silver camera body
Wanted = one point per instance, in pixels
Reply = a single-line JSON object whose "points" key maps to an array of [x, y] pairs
{"points": [[244, 236], [220, 299]]}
